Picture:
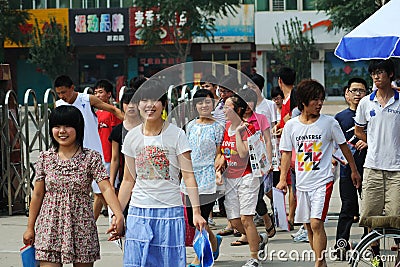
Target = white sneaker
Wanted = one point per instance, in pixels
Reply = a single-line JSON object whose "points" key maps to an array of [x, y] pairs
{"points": [[211, 222], [299, 232], [303, 237], [252, 263], [263, 242]]}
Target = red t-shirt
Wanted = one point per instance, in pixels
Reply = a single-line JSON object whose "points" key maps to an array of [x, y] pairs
{"points": [[285, 110], [236, 166], [106, 121]]}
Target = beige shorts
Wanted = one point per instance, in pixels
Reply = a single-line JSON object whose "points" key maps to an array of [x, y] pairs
{"points": [[241, 196], [380, 193]]}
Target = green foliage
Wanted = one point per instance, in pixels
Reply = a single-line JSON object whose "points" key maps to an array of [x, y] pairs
{"points": [[296, 48], [10, 22], [200, 19], [49, 48], [346, 14]]}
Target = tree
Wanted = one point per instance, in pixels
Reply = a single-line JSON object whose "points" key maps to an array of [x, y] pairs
{"points": [[11, 21], [184, 20], [346, 14], [296, 47], [50, 48]]}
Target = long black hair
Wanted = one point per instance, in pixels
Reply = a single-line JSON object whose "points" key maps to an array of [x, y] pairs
{"points": [[69, 116]]}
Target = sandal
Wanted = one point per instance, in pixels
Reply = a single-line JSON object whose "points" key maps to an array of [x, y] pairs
{"points": [[239, 243], [236, 233], [271, 230], [225, 232]]}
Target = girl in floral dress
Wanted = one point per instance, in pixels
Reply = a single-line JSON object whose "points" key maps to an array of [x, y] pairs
{"points": [[155, 151], [61, 205], [205, 135]]}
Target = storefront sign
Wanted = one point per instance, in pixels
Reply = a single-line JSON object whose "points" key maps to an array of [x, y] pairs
{"points": [[139, 18], [43, 16], [159, 61], [99, 26]]}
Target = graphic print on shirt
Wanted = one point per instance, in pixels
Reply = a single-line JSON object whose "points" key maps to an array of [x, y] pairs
{"points": [[152, 164], [308, 152]]}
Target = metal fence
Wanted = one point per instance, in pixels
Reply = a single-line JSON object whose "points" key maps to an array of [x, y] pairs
{"points": [[24, 133]]}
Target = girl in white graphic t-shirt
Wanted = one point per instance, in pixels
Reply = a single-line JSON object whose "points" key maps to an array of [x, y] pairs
{"points": [[155, 152]]}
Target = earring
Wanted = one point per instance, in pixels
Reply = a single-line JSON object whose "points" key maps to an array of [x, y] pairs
{"points": [[164, 115]]}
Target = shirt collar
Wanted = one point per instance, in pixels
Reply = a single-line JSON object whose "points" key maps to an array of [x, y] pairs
{"points": [[373, 94]]}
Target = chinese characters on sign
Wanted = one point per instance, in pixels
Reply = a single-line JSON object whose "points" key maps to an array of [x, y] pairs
{"points": [[158, 61], [141, 18], [108, 26]]}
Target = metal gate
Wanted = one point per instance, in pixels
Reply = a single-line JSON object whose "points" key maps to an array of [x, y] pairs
{"points": [[24, 132]]}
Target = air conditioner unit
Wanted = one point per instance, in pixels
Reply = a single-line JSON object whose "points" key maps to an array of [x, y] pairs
{"points": [[318, 55]]}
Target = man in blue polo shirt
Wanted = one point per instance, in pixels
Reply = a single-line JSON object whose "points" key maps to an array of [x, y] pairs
{"points": [[380, 113]]}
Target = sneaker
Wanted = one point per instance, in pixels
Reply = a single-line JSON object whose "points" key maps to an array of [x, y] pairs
{"points": [[258, 220], [252, 263], [211, 222], [299, 232], [303, 237], [263, 242]]}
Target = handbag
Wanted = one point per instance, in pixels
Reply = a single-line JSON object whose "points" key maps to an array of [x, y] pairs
{"points": [[189, 230], [28, 256], [259, 162]]}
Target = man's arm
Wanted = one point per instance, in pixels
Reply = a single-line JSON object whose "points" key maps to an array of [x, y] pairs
{"points": [[359, 132], [97, 103], [285, 164], [355, 176]]}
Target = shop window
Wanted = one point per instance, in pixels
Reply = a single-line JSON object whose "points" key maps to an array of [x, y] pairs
{"points": [[262, 5], [103, 3], [291, 4], [77, 4], [278, 5], [308, 5], [92, 3], [51, 4], [127, 3], [64, 3], [115, 3], [247, 2]]}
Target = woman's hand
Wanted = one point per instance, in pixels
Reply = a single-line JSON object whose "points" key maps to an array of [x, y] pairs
{"points": [[117, 227], [242, 126], [199, 222], [29, 237]]}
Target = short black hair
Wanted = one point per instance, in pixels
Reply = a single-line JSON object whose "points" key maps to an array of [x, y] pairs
{"points": [[239, 105], [63, 80], [249, 96], [209, 79], [153, 89], [382, 64], [258, 80], [136, 82], [345, 89], [200, 95], [287, 75], [276, 91], [357, 80], [308, 90], [69, 116], [127, 95], [108, 87], [230, 82]]}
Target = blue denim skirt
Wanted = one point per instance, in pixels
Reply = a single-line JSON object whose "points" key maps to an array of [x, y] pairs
{"points": [[155, 237]]}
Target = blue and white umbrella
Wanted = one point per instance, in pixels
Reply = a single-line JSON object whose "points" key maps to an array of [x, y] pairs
{"points": [[376, 38]]}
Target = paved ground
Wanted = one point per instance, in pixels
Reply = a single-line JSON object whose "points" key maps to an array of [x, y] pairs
{"points": [[12, 228]]}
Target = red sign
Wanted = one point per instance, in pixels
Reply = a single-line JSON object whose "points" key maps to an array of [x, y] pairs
{"points": [[139, 18], [159, 61]]}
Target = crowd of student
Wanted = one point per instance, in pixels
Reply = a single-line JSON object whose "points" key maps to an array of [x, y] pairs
{"points": [[154, 166]]}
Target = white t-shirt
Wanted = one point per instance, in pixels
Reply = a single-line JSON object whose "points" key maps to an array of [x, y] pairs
{"points": [[91, 138], [383, 131], [313, 144], [268, 109], [156, 165]]}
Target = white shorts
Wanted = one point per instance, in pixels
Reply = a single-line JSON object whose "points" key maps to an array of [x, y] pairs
{"points": [[313, 204], [95, 186], [241, 196]]}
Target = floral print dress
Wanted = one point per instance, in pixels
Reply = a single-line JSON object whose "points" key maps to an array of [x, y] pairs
{"points": [[66, 231]]}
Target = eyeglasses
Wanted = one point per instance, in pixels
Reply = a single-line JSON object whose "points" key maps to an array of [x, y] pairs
{"points": [[278, 98], [223, 91], [358, 91], [377, 72]]}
